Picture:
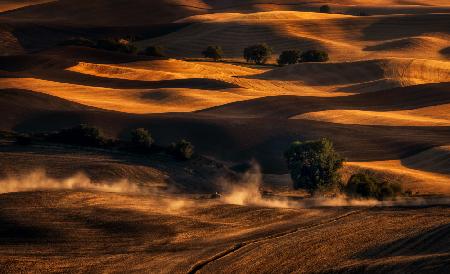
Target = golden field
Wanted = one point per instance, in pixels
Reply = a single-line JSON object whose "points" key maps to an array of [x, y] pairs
{"points": [[383, 99]]}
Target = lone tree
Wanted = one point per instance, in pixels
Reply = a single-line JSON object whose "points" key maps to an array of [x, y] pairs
{"points": [[259, 54], [141, 138], [314, 56], [289, 57], [155, 51], [314, 165], [183, 150], [325, 9], [213, 52]]}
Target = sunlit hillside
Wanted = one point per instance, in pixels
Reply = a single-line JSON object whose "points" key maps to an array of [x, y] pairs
{"points": [[224, 136]]}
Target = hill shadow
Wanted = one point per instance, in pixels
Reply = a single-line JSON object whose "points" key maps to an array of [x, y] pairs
{"points": [[286, 106], [433, 241], [402, 26], [77, 78]]}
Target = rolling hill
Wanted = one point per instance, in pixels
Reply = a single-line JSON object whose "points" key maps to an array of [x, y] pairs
{"points": [[383, 100]]}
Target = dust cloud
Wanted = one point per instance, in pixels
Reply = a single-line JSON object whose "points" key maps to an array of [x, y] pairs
{"points": [[38, 180], [248, 192]]}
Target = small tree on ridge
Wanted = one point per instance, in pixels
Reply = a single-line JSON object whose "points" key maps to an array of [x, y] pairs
{"points": [[258, 54], [213, 52]]}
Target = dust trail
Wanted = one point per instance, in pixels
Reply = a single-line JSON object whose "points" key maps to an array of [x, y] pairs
{"points": [[248, 192], [342, 201], [38, 180]]}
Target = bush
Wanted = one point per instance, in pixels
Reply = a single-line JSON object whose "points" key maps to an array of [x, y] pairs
{"points": [[120, 45], [258, 54], [155, 51], [325, 9], [314, 165], [314, 56], [365, 186], [289, 57], [82, 135], [183, 150], [80, 41], [213, 52], [141, 138]]}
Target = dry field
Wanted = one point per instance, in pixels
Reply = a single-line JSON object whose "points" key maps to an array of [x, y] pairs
{"points": [[383, 99]]}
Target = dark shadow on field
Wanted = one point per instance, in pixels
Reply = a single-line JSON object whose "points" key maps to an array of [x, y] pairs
{"points": [[318, 74], [433, 241], [15, 231], [70, 77], [286, 106], [405, 26], [121, 222], [445, 52], [434, 161], [91, 229], [40, 36], [426, 252], [51, 68], [243, 139], [224, 133]]}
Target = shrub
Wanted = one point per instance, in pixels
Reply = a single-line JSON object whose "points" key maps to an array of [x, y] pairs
{"points": [[183, 150], [365, 186], [120, 45], [289, 57], [213, 52], [23, 140], [155, 51], [258, 54], [141, 138], [362, 185], [79, 135], [314, 56], [325, 9], [314, 165], [80, 41]]}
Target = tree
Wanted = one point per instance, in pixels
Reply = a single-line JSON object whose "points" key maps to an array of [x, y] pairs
{"points": [[213, 52], [289, 57], [314, 165], [314, 56], [141, 138], [325, 9], [183, 150], [83, 135], [258, 54], [155, 51]]}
